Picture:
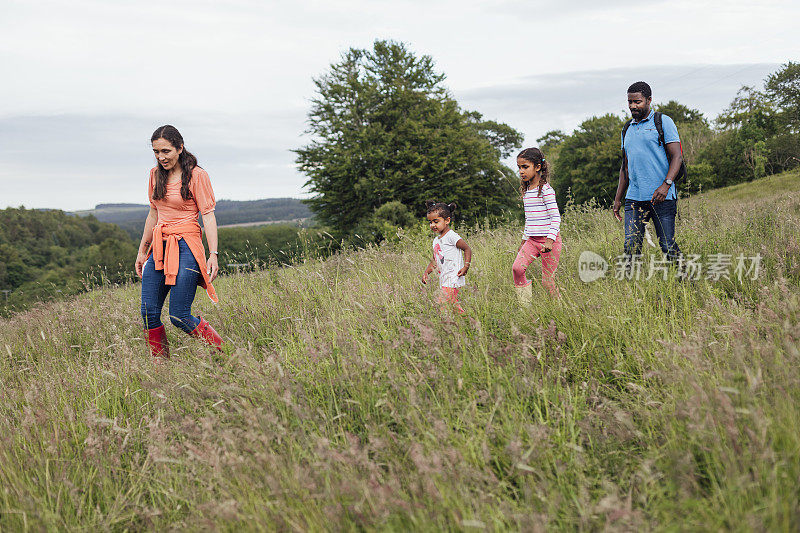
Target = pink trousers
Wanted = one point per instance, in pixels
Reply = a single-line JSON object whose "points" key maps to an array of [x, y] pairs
{"points": [[530, 250], [449, 295]]}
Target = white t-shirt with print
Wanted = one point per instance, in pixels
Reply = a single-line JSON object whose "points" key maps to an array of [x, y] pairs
{"points": [[449, 259]]}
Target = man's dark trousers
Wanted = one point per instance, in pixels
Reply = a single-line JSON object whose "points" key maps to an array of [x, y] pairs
{"points": [[663, 215]]}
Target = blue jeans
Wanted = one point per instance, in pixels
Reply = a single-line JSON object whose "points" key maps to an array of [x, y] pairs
{"points": [[663, 215], [154, 292]]}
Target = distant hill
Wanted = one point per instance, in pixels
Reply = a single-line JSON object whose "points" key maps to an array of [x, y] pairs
{"points": [[130, 217], [112, 206]]}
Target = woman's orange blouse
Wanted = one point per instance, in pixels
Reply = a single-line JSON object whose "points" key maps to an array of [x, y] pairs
{"points": [[172, 209], [177, 219]]}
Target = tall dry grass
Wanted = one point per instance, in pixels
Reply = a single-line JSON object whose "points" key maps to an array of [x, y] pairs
{"points": [[345, 400]]}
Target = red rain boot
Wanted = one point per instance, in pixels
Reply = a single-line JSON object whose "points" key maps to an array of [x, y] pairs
{"points": [[208, 334], [157, 339]]}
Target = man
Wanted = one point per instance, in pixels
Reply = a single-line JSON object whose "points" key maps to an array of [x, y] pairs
{"points": [[648, 173]]}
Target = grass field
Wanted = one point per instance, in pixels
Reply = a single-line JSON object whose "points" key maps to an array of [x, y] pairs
{"points": [[346, 400]]}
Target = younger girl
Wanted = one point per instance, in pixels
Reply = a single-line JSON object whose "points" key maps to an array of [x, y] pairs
{"points": [[447, 259], [542, 222]]}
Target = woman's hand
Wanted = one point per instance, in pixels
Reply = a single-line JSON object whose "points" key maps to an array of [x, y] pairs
{"points": [[147, 237], [140, 260], [425, 278], [547, 245], [463, 271], [212, 266]]}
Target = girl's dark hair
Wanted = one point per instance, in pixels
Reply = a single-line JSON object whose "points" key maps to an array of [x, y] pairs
{"points": [[440, 208], [535, 156], [186, 161]]}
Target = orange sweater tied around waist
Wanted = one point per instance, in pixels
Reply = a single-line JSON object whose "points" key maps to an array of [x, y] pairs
{"points": [[167, 256]]}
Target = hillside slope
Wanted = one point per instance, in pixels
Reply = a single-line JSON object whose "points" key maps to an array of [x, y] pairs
{"points": [[345, 400]]}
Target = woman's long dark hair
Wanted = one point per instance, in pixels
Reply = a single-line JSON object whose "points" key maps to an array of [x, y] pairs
{"points": [[535, 156], [186, 161]]}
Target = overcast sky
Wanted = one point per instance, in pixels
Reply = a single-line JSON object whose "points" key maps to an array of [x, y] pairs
{"points": [[86, 82]]}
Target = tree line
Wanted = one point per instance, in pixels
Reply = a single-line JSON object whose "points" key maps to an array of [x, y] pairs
{"points": [[46, 254], [387, 135], [757, 135], [130, 217]]}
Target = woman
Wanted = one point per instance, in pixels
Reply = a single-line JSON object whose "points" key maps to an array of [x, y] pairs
{"points": [[178, 191]]}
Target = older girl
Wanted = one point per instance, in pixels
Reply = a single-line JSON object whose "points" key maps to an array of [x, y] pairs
{"points": [[171, 256], [542, 223]]}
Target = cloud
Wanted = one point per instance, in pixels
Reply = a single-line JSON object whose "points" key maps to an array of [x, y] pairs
{"points": [[74, 161], [540, 103], [77, 161]]}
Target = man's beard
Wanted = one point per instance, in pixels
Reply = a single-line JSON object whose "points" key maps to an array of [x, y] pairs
{"points": [[638, 114]]}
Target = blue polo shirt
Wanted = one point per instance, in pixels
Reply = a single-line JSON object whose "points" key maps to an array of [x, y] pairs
{"points": [[647, 161]]}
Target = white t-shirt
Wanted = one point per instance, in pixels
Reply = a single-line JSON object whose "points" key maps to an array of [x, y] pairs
{"points": [[449, 259]]}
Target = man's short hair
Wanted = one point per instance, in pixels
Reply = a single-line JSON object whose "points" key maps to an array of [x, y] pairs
{"points": [[641, 87]]}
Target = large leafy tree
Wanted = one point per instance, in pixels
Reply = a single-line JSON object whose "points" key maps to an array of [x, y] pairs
{"points": [[751, 142], [588, 160], [385, 129], [680, 113], [783, 87]]}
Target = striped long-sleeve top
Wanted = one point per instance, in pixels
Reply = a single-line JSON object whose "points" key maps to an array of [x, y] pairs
{"points": [[542, 218]]}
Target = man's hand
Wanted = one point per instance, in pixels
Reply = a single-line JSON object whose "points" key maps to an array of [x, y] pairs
{"points": [[661, 193], [617, 206]]}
